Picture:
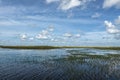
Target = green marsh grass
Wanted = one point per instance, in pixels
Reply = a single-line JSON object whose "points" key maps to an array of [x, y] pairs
{"points": [[59, 47]]}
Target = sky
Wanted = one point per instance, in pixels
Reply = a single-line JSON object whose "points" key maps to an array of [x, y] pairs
{"points": [[60, 22]]}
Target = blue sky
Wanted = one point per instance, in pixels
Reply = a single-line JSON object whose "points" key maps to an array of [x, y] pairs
{"points": [[60, 22]]}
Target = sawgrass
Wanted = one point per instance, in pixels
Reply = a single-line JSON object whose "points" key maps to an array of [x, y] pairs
{"points": [[58, 47]]}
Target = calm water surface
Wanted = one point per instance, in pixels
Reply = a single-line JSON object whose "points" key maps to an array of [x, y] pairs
{"points": [[59, 64]]}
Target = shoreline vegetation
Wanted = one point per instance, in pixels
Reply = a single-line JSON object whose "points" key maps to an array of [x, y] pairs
{"points": [[58, 47]]}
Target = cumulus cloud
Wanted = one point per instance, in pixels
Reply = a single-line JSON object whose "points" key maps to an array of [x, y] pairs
{"points": [[113, 31], [43, 35], [113, 28], [68, 35], [72, 36], [96, 15], [23, 36], [69, 4], [109, 24], [44, 32], [111, 3]]}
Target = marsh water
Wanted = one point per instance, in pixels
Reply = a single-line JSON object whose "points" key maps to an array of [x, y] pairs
{"points": [[60, 64]]}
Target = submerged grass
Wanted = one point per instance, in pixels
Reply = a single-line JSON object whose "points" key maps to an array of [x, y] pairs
{"points": [[58, 47]]}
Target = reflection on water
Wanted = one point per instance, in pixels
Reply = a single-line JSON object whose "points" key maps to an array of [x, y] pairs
{"points": [[59, 64]]}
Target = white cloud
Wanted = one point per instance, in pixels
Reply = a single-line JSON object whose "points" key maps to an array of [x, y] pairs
{"points": [[50, 1], [44, 32], [72, 36], [69, 4], [113, 28], [111, 3], [77, 35], [43, 35], [23, 36], [116, 23], [113, 31], [69, 35], [54, 40], [40, 36], [109, 24], [31, 38], [96, 15]]}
